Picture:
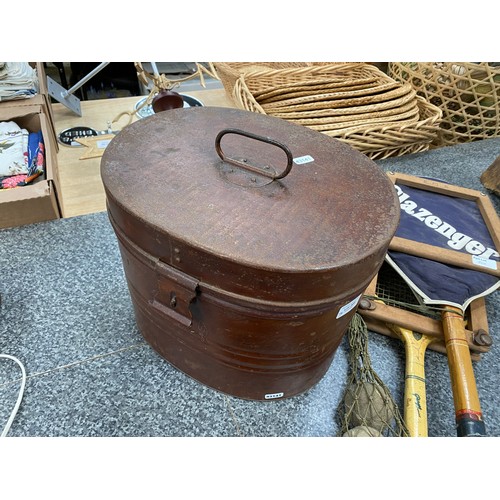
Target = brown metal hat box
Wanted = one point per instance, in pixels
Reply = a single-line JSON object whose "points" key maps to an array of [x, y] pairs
{"points": [[246, 242]]}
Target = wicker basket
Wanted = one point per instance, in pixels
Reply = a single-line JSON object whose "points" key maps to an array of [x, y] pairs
{"points": [[385, 141], [467, 93], [229, 72], [377, 133]]}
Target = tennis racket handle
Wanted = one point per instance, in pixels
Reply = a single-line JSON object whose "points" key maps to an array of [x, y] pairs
{"points": [[469, 427], [415, 409], [468, 415]]}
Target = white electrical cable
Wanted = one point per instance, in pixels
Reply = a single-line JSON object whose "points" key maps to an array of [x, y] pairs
{"points": [[19, 397]]}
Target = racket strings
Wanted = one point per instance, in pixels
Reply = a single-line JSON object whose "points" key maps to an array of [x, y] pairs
{"points": [[392, 289]]}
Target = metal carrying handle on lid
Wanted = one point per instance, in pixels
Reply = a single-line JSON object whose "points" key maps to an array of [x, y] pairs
{"points": [[252, 168]]}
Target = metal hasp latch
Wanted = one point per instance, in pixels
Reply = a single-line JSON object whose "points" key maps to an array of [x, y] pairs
{"points": [[174, 293]]}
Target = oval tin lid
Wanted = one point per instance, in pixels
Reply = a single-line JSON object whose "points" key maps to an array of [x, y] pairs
{"points": [[333, 208]]}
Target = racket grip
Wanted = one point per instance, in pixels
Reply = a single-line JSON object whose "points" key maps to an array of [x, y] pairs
{"points": [[415, 410], [468, 415], [468, 427]]}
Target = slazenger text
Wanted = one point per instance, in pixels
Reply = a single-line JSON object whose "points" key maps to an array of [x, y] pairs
{"points": [[456, 240]]}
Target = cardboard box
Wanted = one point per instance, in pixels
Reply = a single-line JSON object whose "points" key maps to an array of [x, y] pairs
{"points": [[38, 201], [41, 99]]}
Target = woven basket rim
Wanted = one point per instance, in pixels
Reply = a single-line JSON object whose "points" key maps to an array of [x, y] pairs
{"points": [[314, 85], [323, 101], [424, 106], [261, 81], [229, 72], [387, 114], [410, 116], [306, 70], [368, 108]]}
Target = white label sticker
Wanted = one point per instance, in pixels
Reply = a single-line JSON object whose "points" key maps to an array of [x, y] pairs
{"points": [[102, 144], [348, 307], [303, 159], [275, 395], [481, 261]]}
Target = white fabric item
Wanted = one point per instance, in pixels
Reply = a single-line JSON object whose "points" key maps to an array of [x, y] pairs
{"points": [[13, 149], [17, 80]]}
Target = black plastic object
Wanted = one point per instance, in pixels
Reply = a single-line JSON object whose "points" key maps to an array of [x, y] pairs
{"points": [[468, 427], [68, 136]]}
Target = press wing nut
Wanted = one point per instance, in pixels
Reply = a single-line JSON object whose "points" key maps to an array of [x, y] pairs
{"points": [[482, 338]]}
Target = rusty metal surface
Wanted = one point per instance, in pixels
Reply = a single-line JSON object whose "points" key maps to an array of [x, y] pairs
{"points": [[246, 285], [325, 214], [247, 348]]}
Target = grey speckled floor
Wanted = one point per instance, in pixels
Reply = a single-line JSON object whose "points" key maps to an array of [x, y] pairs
{"points": [[67, 315]]}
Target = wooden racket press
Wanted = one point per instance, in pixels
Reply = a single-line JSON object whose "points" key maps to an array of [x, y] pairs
{"points": [[390, 307]]}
